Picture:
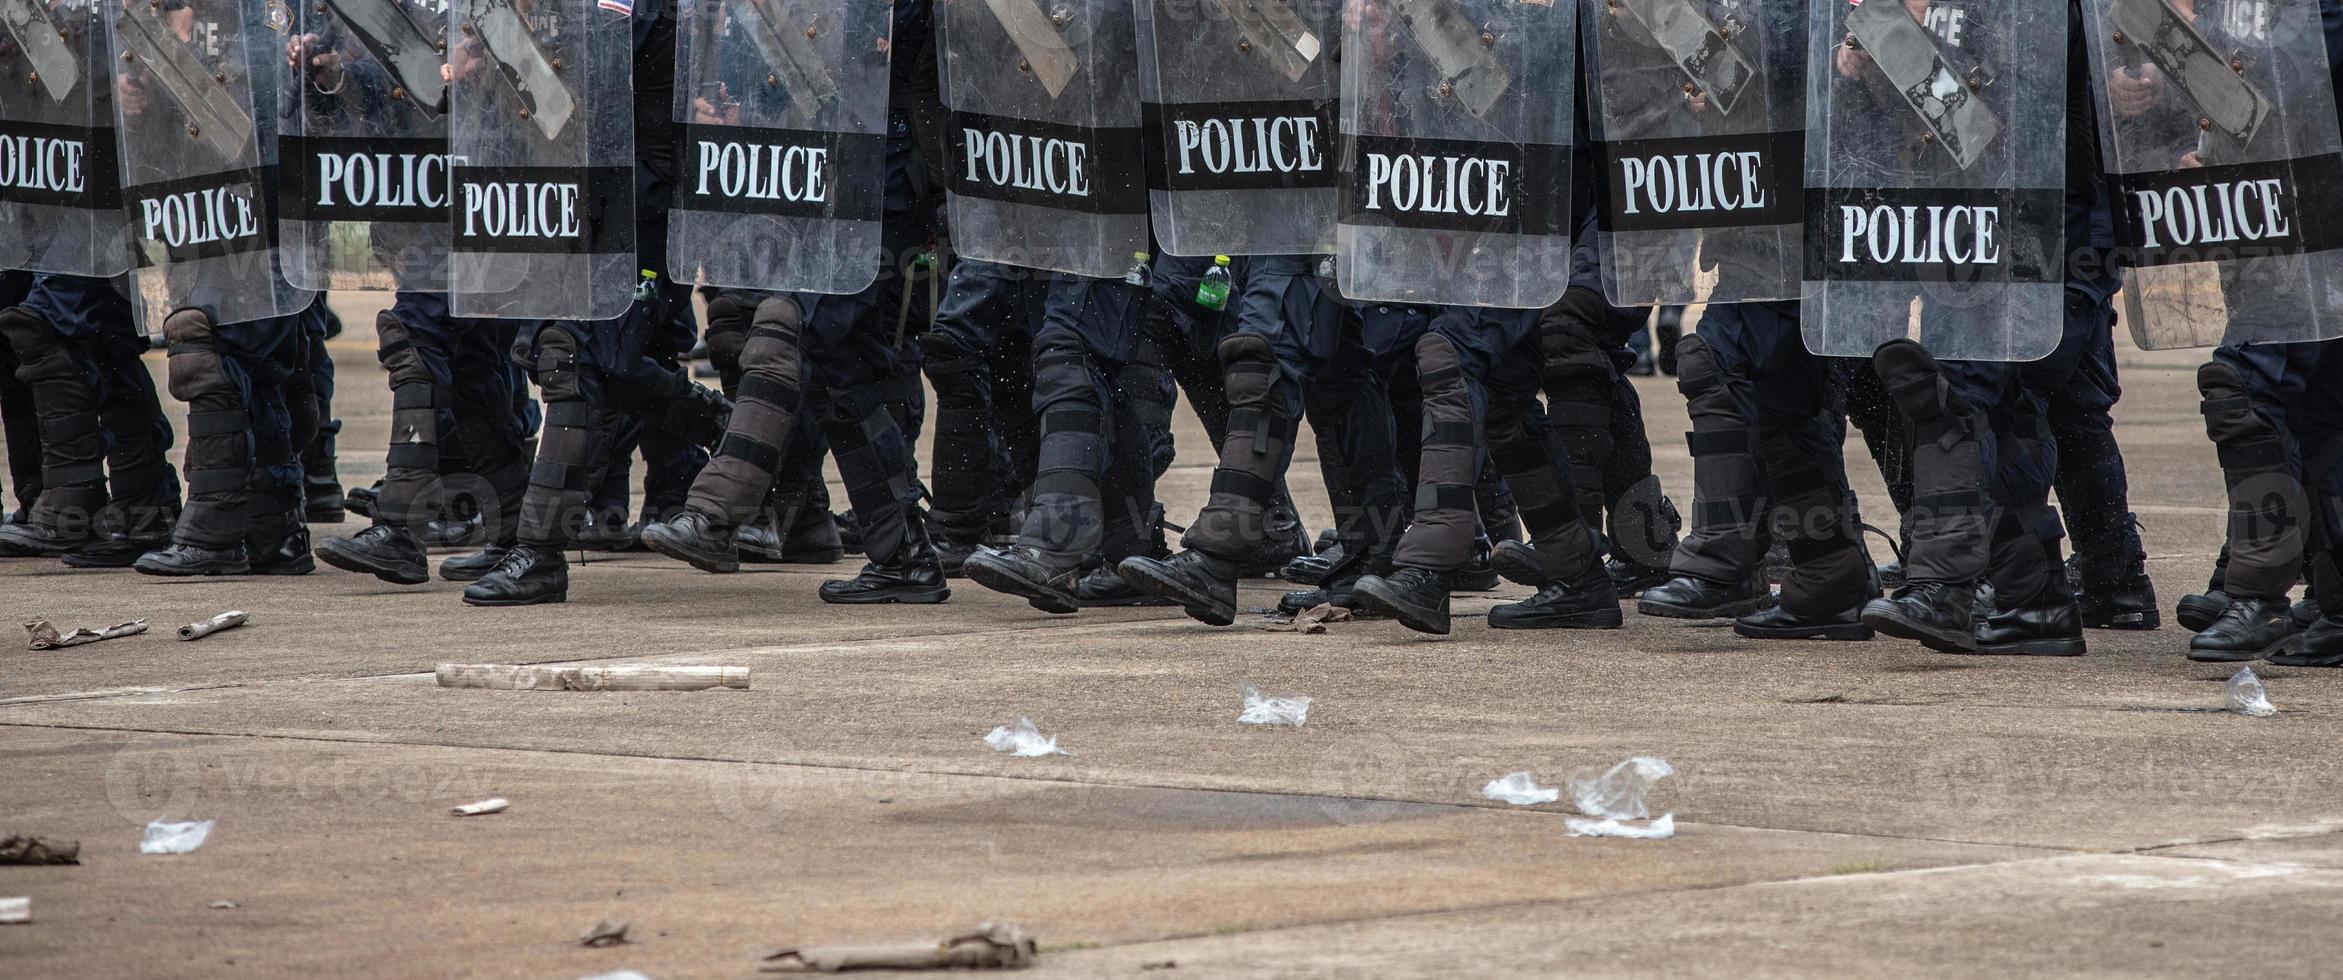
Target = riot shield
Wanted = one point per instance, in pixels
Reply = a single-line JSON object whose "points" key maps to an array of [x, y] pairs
{"points": [[1700, 108], [2218, 129], [364, 155], [1935, 174], [1456, 176], [1240, 98], [1046, 168], [541, 130], [781, 106], [60, 187], [195, 103]]}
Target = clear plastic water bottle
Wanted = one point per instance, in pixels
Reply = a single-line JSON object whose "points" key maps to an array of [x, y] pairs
{"points": [[1212, 293], [1138, 274]]}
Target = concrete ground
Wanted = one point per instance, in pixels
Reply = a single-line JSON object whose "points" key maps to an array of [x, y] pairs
{"points": [[1869, 809]]}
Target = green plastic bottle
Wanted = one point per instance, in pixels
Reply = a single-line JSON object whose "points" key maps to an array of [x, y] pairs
{"points": [[1212, 293]]}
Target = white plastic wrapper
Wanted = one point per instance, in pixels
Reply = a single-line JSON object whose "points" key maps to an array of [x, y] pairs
{"points": [[2247, 696], [1023, 741], [174, 838], [15, 910], [1661, 829], [494, 804], [1258, 710], [1520, 790]]}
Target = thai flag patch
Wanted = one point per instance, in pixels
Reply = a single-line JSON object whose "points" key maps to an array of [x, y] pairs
{"points": [[624, 8]]}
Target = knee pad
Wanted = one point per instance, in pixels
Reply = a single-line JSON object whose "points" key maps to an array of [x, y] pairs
{"points": [[1566, 336], [1249, 366], [556, 367], [25, 331], [1697, 372], [395, 349], [2228, 406], [1915, 382], [188, 327]]}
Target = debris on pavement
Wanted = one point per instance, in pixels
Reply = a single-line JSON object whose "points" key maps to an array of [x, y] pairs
{"points": [[223, 904], [604, 933], [227, 620], [16, 910], [1310, 621], [487, 806], [991, 946], [1258, 710], [1616, 796], [1160, 965], [2247, 696], [1023, 741], [174, 838], [21, 849], [1519, 789], [1660, 829], [509, 677], [46, 637]]}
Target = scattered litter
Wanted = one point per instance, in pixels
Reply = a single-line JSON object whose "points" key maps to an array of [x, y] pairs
{"points": [[227, 620], [223, 904], [604, 933], [46, 637], [507, 677], [617, 975], [1616, 796], [1023, 741], [1160, 965], [1312, 620], [991, 946], [19, 849], [174, 838], [1273, 711], [1661, 829], [16, 910], [2247, 696], [1519, 789], [493, 805]]}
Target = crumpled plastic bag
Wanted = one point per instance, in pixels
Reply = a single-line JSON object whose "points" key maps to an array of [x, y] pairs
{"points": [[2247, 696], [1661, 829], [1520, 790], [1259, 710], [1024, 741], [174, 838], [1617, 795]]}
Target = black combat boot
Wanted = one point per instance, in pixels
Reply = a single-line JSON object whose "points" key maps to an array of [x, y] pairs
{"points": [[1044, 580], [1631, 578], [326, 503], [1203, 586], [440, 532], [2321, 646], [1312, 569], [279, 545], [1106, 587], [1519, 564], [914, 577], [361, 500], [1417, 597], [2047, 629], [1588, 602], [816, 538], [527, 575], [1941, 615], [63, 518], [1779, 623], [2250, 629], [1479, 573], [474, 566], [2118, 598], [125, 536], [1693, 597], [2196, 611], [697, 540], [186, 560], [384, 551]]}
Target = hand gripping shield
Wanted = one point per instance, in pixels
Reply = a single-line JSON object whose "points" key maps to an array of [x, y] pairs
{"points": [[2220, 139], [1240, 100], [541, 128], [1935, 175], [1456, 175], [195, 103], [364, 156], [60, 185], [782, 110], [1700, 107], [1046, 169]]}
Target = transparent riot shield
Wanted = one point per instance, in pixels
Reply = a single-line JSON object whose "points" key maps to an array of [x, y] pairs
{"points": [[364, 155], [1456, 175], [1935, 174], [1700, 108], [541, 129], [1046, 168], [195, 103], [1240, 99], [60, 186], [2217, 124], [781, 107]]}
